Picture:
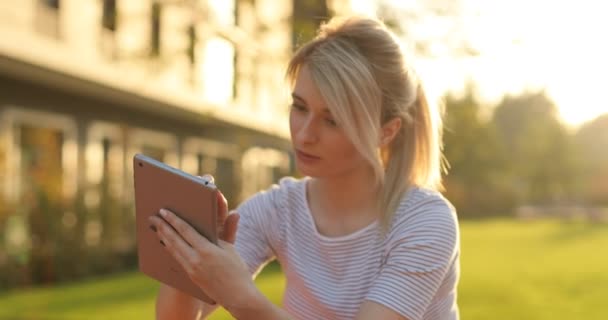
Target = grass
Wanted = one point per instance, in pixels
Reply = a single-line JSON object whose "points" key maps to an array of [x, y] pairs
{"points": [[540, 270], [510, 270]]}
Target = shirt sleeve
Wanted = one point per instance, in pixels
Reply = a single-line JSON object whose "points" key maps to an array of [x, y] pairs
{"points": [[421, 251], [259, 228]]}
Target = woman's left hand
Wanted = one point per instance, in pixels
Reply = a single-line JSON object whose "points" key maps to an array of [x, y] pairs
{"points": [[218, 270]]}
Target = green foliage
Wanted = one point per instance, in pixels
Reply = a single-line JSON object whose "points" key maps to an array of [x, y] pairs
{"points": [[307, 17], [541, 162], [472, 148], [510, 270], [591, 142], [521, 155]]}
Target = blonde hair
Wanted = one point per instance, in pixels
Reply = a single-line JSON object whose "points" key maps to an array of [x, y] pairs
{"points": [[359, 68]]}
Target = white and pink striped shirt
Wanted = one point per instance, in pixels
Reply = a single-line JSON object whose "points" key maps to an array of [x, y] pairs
{"points": [[413, 269]]}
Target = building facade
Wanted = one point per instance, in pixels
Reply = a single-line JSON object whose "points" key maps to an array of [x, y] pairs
{"points": [[86, 84]]}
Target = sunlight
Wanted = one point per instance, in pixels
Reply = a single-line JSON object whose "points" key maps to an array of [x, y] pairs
{"points": [[362, 6], [543, 43], [530, 45]]}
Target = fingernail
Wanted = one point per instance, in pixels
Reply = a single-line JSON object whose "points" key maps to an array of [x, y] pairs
{"points": [[153, 228], [161, 242], [163, 212]]}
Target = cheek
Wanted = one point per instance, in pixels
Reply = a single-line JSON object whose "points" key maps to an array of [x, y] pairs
{"points": [[343, 150]]}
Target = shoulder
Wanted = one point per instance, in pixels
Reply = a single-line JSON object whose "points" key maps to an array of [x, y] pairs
{"points": [[419, 204], [425, 215]]}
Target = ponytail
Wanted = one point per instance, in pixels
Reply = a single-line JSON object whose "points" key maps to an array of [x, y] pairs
{"points": [[414, 157]]}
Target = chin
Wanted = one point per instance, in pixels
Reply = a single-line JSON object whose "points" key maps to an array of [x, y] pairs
{"points": [[310, 172], [306, 172]]}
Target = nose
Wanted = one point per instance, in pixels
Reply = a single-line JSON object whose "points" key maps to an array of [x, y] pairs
{"points": [[308, 133]]}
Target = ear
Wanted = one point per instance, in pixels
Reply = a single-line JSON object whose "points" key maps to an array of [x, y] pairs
{"points": [[389, 131]]}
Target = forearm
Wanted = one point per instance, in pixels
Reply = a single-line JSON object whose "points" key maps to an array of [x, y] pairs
{"points": [[174, 304], [258, 307]]}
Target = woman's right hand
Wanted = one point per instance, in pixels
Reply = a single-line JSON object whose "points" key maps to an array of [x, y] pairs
{"points": [[174, 304]]}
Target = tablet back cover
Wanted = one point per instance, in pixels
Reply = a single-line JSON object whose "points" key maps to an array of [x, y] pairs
{"points": [[160, 186]]}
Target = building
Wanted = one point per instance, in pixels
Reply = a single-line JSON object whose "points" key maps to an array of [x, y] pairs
{"points": [[86, 84]]}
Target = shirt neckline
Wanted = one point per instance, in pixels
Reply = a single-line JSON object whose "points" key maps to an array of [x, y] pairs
{"points": [[308, 213]]}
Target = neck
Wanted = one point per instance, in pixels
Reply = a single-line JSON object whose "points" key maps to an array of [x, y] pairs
{"points": [[349, 195]]}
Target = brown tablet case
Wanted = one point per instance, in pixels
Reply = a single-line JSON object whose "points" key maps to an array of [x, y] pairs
{"points": [[157, 186]]}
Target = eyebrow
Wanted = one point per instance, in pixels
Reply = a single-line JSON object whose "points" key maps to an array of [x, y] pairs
{"points": [[295, 96]]}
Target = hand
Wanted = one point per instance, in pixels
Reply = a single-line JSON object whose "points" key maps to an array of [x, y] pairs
{"points": [[227, 223], [217, 270]]}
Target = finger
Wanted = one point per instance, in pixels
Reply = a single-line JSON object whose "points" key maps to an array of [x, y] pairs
{"points": [[184, 230], [208, 178], [230, 227], [175, 245], [222, 212]]}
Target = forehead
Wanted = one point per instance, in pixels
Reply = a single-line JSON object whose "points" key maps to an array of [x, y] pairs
{"points": [[306, 89]]}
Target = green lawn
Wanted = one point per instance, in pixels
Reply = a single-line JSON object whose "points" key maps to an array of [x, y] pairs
{"points": [[510, 270]]}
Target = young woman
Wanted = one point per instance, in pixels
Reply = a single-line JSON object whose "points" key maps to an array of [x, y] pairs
{"points": [[365, 235]]}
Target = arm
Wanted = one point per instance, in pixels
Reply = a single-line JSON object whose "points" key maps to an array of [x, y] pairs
{"points": [[174, 304]]}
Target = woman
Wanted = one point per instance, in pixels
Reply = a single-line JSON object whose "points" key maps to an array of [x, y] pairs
{"points": [[364, 235]]}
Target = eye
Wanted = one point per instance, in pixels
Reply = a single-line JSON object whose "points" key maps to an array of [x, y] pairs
{"points": [[298, 107], [331, 122]]}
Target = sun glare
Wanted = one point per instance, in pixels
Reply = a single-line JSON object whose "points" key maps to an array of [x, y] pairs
{"points": [[530, 45]]}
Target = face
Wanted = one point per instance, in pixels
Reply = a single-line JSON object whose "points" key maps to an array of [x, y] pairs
{"points": [[321, 146]]}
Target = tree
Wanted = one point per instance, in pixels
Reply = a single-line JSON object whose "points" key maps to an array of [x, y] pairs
{"points": [[540, 161], [307, 17], [473, 183], [591, 144]]}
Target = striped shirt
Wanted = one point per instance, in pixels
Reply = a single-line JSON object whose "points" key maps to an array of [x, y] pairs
{"points": [[413, 269]]}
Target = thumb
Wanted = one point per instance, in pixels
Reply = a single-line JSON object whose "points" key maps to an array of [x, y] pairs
{"points": [[230, 227]]}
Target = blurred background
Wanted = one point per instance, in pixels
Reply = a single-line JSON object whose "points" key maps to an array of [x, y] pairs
{"points": [[198, 84]]}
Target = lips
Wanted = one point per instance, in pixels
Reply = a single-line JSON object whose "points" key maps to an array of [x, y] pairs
{"points": [[304, 155]]}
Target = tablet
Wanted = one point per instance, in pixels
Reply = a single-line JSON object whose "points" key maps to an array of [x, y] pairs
{"points": [[157, 186]]}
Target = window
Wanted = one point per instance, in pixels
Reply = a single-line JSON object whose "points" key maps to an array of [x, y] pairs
{"points": [[41, 163], [191, 52], [218, 66], [202, 156], [40, 141], [225, 178], [53, 4], [159, 145], [155, 19], [192, 39], [108, 18], [235, 60]]}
